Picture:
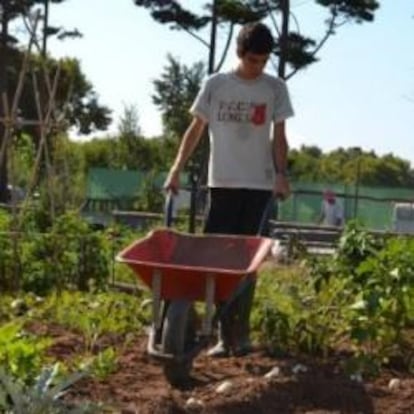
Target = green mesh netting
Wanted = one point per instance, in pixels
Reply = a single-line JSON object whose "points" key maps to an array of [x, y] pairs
{"points": [[372, 206], [107, 185]]}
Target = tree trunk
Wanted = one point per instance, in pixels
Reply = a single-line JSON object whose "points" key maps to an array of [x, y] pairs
{"points": [[285, 9], [45, 25], [213, 35], [3, 90], [198, 174]]}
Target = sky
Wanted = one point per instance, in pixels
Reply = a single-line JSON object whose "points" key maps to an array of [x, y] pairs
{"points": [[360, 93]]}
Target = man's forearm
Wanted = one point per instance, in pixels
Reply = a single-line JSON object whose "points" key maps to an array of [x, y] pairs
{"points": [[280, 149], [188, 144]]}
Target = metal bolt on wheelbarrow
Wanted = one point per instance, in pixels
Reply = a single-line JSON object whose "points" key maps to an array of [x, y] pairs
{"points": [[181, 269]]}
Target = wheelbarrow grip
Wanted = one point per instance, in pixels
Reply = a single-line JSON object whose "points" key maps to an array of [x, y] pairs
{"points": [[169, 209], [264, 222]]}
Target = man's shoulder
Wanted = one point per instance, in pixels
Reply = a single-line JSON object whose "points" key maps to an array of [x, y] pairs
{"points": [[216, 81], [273, 81], [218, 78]]}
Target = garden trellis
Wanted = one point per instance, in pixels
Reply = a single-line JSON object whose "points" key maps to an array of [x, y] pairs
{"points": [[48, 121]]}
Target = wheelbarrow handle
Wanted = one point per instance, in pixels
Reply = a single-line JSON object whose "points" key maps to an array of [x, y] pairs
{"points": [[169, 209], [267, 213]]}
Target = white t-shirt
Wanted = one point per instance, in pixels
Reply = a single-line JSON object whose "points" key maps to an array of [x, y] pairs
{"points": [[240, 114], [333, 214]]}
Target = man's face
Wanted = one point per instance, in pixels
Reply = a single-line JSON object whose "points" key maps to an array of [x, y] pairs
{"points": [[252, 65]]}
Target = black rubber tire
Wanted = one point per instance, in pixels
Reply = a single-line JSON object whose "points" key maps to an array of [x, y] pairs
{"points": [[178, 335]]}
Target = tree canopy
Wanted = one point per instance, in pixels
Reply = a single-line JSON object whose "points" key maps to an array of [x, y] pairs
{"points": [[347, 166], [292, 49], [75, 101], [175, 91], [75, 96]]}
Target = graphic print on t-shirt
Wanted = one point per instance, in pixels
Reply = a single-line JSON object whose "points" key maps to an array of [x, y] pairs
{"points": [[242, 112]]}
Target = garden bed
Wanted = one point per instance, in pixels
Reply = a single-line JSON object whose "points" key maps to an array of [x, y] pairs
{"points": [[138, 385]]}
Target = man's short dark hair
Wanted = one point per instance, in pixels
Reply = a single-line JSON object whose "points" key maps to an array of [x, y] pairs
{"points": [[255, 38]]}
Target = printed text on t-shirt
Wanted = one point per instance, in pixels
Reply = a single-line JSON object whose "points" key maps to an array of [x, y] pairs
{"points": [[240, 111]]}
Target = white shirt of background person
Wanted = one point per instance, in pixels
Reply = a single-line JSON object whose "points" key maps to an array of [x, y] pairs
{"points": [[332, 213]]}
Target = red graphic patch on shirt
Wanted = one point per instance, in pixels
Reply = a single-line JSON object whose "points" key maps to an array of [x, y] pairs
{"points": [[259, 114]]}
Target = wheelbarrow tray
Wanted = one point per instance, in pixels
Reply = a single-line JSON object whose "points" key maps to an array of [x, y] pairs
{"points": [[184, 261]]}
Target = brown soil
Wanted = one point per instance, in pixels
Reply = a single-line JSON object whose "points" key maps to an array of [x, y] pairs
{"points": [[138, 385]]}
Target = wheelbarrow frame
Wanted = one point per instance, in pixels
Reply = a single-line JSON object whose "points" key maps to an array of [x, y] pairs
{"points": [[214, 275]]}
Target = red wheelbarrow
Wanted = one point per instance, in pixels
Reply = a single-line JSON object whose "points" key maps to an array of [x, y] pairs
{"points": [[181, 269]]}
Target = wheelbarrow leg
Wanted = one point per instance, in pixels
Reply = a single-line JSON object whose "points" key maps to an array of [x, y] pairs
{"points": [[156, 299], [208, 319], [154, 333]]}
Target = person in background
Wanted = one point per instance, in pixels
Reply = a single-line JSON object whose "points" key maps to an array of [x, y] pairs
{"points": [[245, 110], [332, 213]]}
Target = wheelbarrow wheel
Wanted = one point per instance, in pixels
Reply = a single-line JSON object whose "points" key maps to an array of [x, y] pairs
{"points": [[178, 336]]}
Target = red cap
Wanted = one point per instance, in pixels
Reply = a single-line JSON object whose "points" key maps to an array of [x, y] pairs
{"points": [[329, 195]]}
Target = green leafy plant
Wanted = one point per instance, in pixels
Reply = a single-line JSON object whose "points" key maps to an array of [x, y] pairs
{"points": [[77, 257], [100, 365], [96, 314], [43, 397], [292, 316], [20, 353], [384, 306], [356, 245], [362, 296]]}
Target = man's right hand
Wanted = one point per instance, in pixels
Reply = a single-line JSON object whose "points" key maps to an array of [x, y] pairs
{"points": [[172, 183], [188, 144]]}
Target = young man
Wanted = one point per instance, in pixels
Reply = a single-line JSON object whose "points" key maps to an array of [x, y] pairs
{"points": [[245, 110]]}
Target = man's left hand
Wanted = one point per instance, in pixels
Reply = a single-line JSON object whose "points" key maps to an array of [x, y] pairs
{"points": [[281, 188]]}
